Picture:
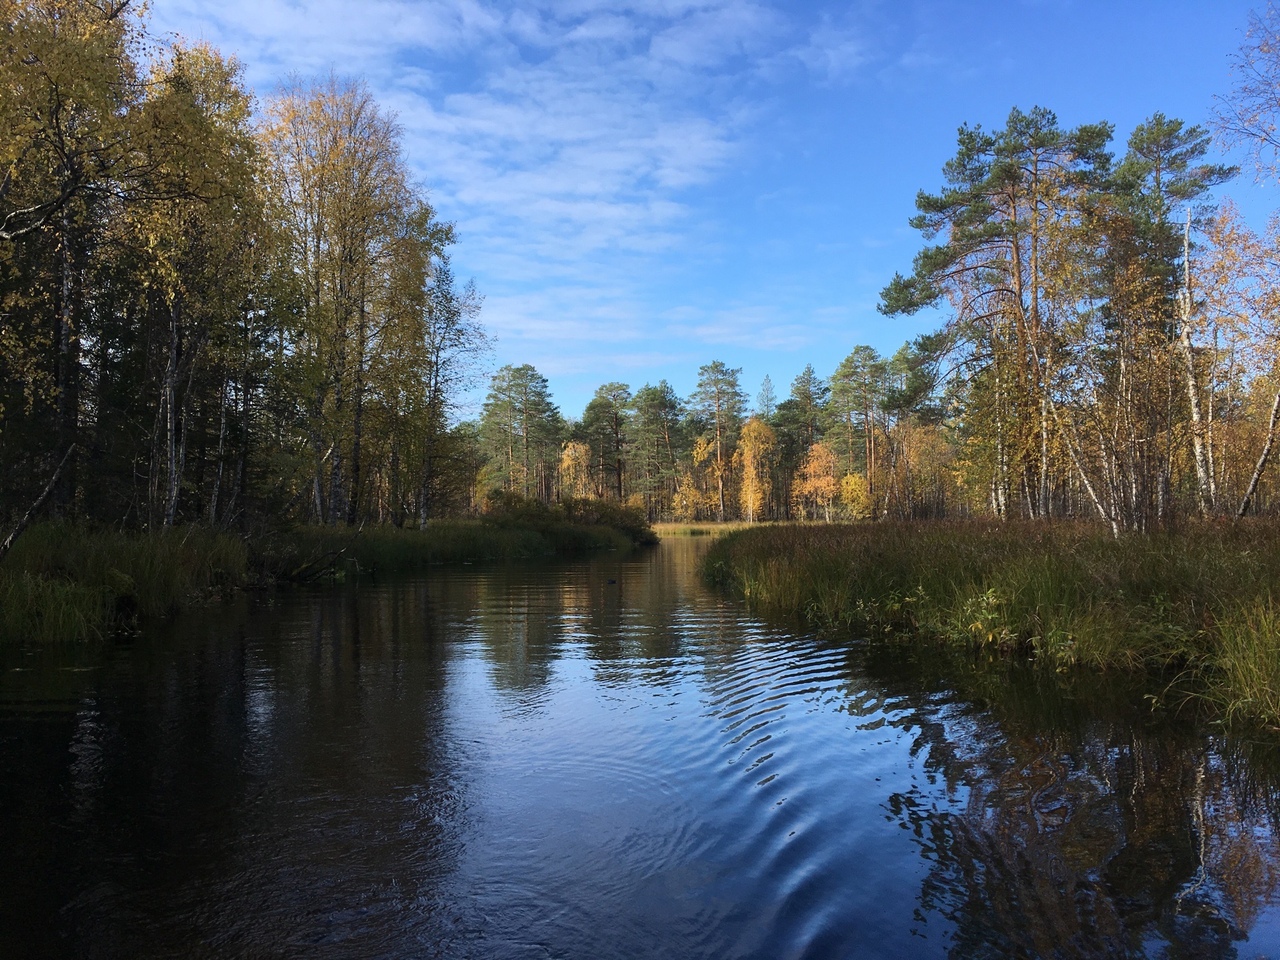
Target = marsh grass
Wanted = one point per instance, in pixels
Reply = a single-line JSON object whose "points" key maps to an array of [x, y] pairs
{"points": [[1197, 604], [512, 528], [66, 583], [1249, 661], [312, 552], [61, 582], [709, 529]]}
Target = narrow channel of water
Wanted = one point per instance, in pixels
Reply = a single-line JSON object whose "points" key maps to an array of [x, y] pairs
{"points": [[597, 760]]}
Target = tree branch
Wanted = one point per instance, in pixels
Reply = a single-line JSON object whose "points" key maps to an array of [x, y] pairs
{"points": [[35, 507]]}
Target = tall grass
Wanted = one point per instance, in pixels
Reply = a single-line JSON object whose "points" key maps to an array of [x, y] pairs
{"points": [[512, 529], [1248, 661], [708, 529], [310, 552], [61, 582], [1198, 603]]}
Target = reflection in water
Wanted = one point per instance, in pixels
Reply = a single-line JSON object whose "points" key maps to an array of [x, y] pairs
{"points": [[1081, 835], [600, 759]]}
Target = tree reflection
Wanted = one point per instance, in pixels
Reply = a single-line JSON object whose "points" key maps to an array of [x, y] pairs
{"points": [[1075, 826]]}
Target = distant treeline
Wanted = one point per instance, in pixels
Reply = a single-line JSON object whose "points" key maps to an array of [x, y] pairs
{"points": [[1110, 350]]}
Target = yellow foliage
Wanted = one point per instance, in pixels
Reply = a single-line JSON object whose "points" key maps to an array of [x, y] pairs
{"points": [[575, 470], [815, 487], [755, 449], [703, 449], [856, 496], [689, 503]]}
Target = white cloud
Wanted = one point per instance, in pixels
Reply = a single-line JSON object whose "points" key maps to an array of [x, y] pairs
{"points": [[834, 53], [562, 136]]}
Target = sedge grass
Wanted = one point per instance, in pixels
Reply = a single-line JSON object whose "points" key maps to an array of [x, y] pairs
{"points": [[1198, 603], [307, 552], [708, 529], [62, 582], [513, 528], [1248, 661]]}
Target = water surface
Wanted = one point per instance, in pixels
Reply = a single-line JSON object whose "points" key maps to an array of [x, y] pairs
{"points": [[602, 759]]}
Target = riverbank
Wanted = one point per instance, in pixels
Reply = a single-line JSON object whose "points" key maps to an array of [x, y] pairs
{"points": [[62, 582], [711, 528], [1198, 607]]}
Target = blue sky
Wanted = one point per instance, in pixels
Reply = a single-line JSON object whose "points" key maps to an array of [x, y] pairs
{"points": [[643, 187]]}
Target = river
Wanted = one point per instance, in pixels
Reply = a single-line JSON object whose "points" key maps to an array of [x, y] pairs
{"points": [[603, 759]]}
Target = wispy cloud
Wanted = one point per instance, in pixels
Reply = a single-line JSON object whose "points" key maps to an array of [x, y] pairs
{"points": [[564, 137]]}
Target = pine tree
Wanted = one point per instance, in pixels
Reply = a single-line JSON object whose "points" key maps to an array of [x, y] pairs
{"points": [[719, 401]]}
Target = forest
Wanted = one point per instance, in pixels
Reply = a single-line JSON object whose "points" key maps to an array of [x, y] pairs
{"points": [[1109, 352], [236, 312], [216, 310]]}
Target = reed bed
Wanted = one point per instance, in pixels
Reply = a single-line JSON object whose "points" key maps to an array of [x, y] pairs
{"points": [[312, 552], [66, 583], [1197, 605], [710, 528], [61, 582]]}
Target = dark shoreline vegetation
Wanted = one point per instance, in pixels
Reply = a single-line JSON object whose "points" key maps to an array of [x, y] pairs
{"points": [[64, 582], [1194, 609]]}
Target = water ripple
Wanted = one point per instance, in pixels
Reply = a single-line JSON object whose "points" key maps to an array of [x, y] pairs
{"points": [[598, 760]]}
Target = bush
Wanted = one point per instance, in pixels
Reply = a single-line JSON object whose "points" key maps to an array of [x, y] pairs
{"points": [[574, 525]]}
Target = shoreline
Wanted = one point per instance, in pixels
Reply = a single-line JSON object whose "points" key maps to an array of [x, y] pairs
{"points": [[1197, 606], [64, 583]]}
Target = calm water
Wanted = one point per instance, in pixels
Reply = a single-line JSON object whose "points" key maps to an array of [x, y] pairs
{"points": [[602, 760]]}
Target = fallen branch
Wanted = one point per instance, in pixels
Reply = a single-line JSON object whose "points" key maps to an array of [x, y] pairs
{"points": [[316, 567], [35, 507]]}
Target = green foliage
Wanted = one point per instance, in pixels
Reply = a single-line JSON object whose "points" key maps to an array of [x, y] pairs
{"points": [[67, 583], [572, 525], [659, 445], [1248, 660], [512, 528], [313, 552], [521, 430], [606, 430]]}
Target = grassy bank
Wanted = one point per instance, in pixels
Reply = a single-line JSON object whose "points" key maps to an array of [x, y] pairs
{"points": [[710, 528], [515, 531], [1198, 605], [68, 583], [61, 582]]}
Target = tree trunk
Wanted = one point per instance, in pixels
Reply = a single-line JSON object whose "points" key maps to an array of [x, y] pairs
{"points": [[1204, 489], [67, 371], [222, 449], [357, 428], [170, 399], [1262, 459]]}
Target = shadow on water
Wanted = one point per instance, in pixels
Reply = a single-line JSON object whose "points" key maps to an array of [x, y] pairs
{"points": [[602, 759]]}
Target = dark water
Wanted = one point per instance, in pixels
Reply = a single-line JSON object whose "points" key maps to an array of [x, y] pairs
{"points": [[603, 760]]}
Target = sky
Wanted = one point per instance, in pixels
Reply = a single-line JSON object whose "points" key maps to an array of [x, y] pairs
{"points": [[643, 187]]}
